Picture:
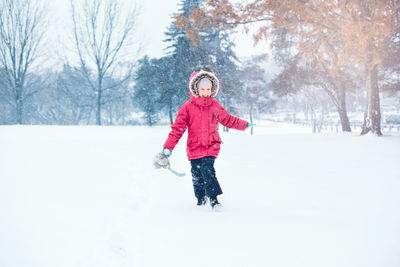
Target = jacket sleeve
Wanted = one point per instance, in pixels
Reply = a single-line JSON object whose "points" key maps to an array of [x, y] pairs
{"points": [[178, 128], [231, 121]]}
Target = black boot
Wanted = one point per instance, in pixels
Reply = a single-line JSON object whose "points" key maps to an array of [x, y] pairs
{"points": [[201, 201], [214, 202]]}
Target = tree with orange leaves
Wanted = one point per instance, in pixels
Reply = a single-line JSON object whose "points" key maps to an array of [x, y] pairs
{"points": [[333, 33]]}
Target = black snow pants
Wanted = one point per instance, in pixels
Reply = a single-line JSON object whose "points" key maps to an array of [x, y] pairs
{"points": [[205, 182]]}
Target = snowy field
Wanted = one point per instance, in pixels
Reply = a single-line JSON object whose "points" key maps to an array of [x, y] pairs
{"points": [[90, 197]]}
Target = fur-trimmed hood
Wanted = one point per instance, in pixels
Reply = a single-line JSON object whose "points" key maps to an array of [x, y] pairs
{"points": [[197, 76]]}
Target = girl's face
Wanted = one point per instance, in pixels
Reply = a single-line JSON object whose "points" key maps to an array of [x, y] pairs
{"points": [[205, 91]]}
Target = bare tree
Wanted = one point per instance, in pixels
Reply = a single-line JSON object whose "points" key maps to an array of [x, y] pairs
{"points": [[99, 37], [21, 32]]}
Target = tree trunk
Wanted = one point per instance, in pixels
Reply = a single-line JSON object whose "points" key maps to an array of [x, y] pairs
{"points": [[313, 120], [110, 114], [342, 109], [372, 115], [19, 103], [19, 110], [98, 112], [344, 120]]}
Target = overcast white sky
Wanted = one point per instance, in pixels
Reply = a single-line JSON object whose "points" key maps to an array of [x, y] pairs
{"points": [[154, 18]]}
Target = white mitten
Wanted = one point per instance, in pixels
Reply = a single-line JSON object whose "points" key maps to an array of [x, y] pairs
{"points": [[161, 161]]}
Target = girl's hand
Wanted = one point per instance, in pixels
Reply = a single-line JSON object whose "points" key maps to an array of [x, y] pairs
{"points": [[250, 125], [166, 152]]}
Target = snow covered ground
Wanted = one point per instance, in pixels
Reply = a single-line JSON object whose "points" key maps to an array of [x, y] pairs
{"points": [[89, 196]]}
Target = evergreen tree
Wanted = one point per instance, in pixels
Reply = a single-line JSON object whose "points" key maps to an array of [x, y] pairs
{"points": [[225, 65], [147, 92], [213, 50], [164, 74], [183, 55]]}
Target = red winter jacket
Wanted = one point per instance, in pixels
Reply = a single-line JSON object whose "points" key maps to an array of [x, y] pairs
{"points": [[201, 116]]}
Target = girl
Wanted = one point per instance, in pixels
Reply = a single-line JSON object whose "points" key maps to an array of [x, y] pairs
{"points": [[201, 115]]}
